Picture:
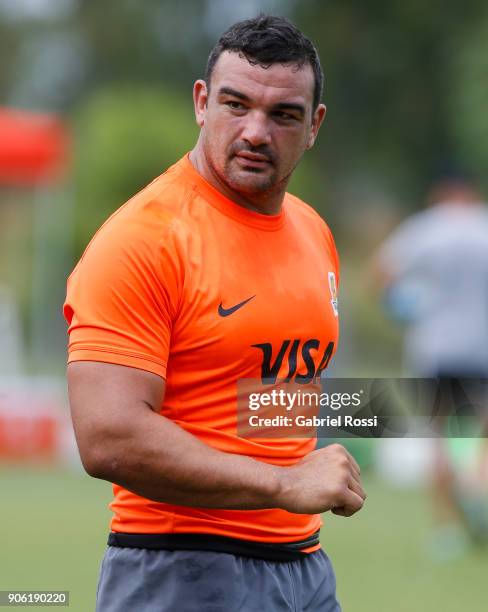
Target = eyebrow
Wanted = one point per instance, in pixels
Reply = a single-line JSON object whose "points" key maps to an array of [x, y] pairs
{"points": [[233, 92], [290, 106], [280, 106]]}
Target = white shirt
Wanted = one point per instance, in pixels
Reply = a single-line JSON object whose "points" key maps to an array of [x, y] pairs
{"points": [[439, 258]]}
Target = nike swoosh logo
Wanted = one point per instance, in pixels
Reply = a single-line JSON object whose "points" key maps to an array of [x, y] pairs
{"points": [[225, 312]]}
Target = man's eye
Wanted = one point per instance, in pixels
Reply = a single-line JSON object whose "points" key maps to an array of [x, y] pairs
{"points": [[284, 116], [234, 105]]}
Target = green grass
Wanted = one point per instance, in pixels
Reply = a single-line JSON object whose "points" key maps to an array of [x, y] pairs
{"points": [[54, 524], [54, 527], [381, 561]]}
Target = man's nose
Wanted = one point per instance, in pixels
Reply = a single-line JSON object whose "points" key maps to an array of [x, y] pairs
{"points": [[256, 129]]}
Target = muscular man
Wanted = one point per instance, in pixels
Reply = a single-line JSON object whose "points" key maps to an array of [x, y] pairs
{"points": [[212, 274]]}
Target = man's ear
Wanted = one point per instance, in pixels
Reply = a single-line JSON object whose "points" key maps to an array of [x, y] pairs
{"points": [[318, 117], [200, 97]]}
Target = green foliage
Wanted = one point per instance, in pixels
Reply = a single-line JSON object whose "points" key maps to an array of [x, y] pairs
{"points": [[125, 137], [388, 87], [8, 43], [469, 97]]}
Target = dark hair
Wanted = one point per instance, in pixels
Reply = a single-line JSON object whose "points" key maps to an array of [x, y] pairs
{"points": [[267, 40]]}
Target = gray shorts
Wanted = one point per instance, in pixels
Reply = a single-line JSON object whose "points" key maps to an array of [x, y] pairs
{"points": [[142, 580]]}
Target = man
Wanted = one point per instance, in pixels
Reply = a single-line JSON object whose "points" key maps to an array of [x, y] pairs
{"points": [[210, 275], [434, 267], [434, 270]]}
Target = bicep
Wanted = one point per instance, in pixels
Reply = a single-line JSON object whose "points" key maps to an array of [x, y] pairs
{"points": [[105, 399]]}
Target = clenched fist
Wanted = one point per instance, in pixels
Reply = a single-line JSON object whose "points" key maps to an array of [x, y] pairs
{"points": [[326, 479]]}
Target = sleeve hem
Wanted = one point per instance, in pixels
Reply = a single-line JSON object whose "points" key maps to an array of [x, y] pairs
{"points": [[140, 362]]}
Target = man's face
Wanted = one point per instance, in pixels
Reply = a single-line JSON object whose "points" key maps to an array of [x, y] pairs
{"points": [[256, 122]]}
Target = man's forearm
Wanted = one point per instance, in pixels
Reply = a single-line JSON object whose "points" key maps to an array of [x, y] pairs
{"points": [[159, 460], [123, 440]]}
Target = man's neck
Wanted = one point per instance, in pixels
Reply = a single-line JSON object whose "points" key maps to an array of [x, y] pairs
{"points": [[268, 203]]}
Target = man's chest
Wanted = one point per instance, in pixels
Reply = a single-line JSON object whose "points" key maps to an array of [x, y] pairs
{"points": [[256, 304]]}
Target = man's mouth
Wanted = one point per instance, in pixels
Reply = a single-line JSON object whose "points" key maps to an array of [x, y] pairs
{"points": [[252, 160]]}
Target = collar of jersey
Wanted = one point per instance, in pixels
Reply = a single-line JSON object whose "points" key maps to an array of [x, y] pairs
{"points": [[228, 207]]}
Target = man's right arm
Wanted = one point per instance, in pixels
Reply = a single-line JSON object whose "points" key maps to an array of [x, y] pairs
{"points": [[123, 439]]}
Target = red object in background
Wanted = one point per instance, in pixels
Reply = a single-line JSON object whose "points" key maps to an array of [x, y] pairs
{"points": [[33, 420], [28, 436], [34, 147]]}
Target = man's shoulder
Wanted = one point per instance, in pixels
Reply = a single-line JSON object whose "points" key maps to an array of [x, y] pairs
{"points": [[152, 215], [165, 196], [156, 207], [298, 208]]}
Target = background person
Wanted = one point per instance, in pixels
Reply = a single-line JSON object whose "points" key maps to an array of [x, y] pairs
{"points": [[434, 271]]}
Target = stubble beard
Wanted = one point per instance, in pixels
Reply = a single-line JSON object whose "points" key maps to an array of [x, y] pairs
{"points": [[251, 181]]}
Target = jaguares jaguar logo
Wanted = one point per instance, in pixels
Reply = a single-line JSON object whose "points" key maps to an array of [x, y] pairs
{"points": [[290, 350], [333, 293]]}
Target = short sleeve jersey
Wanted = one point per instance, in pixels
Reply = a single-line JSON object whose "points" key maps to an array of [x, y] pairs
{"points": [[161, 288]]}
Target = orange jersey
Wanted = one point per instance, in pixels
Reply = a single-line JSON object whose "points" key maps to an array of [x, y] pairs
{"points": [[184, 283]]}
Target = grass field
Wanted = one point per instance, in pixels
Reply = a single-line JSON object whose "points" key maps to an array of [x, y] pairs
{"points": [[53, 528]]}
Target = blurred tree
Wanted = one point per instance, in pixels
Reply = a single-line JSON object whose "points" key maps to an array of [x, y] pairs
{"points": [[468, 101], [9, 42], [388, 81], [389, 69], [126, 136], [142, 41]]}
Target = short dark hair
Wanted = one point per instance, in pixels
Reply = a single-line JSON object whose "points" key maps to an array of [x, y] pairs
{"points": [[267, 40]]}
